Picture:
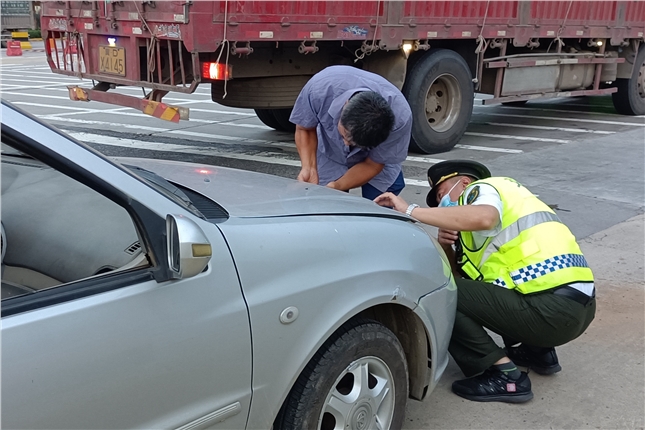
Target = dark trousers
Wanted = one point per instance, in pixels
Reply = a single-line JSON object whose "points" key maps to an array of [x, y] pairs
{"points": [[543, 320], [370, 192]]}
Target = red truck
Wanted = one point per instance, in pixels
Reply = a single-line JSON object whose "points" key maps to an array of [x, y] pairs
{"points": [[259, 54]]}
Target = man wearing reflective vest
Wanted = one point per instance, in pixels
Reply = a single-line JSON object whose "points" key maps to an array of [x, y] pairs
{"points": [[519, 273]]}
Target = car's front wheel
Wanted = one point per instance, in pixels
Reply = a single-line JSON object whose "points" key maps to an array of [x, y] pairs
{"points": [[358, 380]]}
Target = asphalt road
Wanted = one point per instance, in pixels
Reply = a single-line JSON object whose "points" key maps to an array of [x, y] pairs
{"points": [[569, 151], [575, 153]]}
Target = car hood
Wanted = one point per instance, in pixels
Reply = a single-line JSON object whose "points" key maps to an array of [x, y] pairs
{"points": [[249, 194]]}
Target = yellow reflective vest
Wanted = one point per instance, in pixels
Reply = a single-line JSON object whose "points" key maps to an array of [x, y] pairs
{"points": [[533, 252]]}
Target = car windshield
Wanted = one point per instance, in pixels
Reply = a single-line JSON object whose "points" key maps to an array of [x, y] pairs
{"points": [[8, 150], [154, 180]]}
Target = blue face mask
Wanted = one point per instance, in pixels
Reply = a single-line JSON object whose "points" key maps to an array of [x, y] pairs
{"points": [[445, 201]]}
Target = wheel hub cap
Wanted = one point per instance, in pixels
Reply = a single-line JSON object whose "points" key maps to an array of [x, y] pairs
{"points": [[362, 398], [361, 417], [443, 103]]}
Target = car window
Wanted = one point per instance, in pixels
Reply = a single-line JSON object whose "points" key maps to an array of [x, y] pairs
{"points": [[56, 230]]}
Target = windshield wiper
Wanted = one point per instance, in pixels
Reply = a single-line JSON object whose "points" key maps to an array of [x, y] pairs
{"points": [[161, 184]]}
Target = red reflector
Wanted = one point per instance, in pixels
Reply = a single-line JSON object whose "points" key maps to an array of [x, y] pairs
{"points": [[216, 71]]}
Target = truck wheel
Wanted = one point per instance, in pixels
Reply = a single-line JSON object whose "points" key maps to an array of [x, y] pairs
{"points": [[276, 118], [630, 97], [440, 92], [282, 116], [357, 380], [267, 118]]}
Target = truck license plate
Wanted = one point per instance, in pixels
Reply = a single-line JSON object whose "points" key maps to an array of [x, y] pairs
{"points": [[112, 60]]}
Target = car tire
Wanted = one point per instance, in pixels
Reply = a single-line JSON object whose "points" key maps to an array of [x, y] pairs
{"points": [[440, 92], [358, 376], [630, 97]]}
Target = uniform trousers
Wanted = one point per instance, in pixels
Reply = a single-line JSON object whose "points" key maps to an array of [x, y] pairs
{"points": [[541, 319]]}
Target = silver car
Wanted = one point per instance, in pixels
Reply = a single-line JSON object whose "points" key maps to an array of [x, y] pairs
{"points": [[140, 293]]}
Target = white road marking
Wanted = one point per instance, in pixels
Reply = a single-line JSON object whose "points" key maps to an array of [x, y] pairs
{"points": [[543, 127], [80, 110], [417, 183], [181, 132], [114, 125], [226, 112], [531, 107], [39, 87], [37, 75], [84, 111], [264, 157], [423, 159], [553, 118], [505, 136], [489, 149], [37, 95]]}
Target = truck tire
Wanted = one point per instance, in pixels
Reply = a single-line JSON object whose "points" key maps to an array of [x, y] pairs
{"points": [[357, 380], [282, 116], [277, 119], [440, 91], [267, 118], [630, 97]]}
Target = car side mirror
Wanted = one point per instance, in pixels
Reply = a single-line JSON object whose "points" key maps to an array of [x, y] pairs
{"points": [[188, 248]]}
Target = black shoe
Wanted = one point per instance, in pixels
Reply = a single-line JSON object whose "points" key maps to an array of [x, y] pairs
{"points": [[494, 386], [541, 360]]}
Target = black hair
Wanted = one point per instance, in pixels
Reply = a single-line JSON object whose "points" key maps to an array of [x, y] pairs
{"points": [[367, 118]]}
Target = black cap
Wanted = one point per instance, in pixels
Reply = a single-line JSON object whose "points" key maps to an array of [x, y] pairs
{"points": [[449, 169]]}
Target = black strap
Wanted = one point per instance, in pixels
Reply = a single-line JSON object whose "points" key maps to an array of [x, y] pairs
{"points": [[575, 295]]}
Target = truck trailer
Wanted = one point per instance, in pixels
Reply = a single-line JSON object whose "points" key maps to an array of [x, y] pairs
{"points": [[259, 54], [15, 16]]}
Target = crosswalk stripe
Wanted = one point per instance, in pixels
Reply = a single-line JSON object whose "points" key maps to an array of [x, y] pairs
{"points": [[533, 107], [543, 127], [506, 136], [264, 156], [553, 118], [489, 149]]}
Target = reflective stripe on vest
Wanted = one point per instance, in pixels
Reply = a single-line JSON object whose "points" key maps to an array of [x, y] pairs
{"points": [[514, 230], [534, 251], [534, 271]]}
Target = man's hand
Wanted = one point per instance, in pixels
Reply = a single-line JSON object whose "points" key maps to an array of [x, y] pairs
{"points": [[307, 144], [392, 201], [447, 237], [308, 175]]}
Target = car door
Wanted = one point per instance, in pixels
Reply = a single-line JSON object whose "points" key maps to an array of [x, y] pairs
{"points": [[127, 347]]}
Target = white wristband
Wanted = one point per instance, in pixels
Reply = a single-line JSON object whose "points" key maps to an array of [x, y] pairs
{"points": [[410, 208]]}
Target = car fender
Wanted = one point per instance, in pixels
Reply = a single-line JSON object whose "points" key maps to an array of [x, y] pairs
{"points": [[327, 269]]}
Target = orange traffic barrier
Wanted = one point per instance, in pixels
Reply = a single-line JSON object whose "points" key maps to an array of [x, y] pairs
{"points": [[14, 49], [71, 48]]}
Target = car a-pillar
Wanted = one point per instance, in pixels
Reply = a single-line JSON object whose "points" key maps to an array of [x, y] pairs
{"points": [[439, 89], [630, 97]]}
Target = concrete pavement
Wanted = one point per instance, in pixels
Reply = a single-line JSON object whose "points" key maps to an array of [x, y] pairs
{"points": [[602, 383]]}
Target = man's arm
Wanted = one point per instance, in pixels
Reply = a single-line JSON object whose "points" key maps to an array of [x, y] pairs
{"points": [[458, 218], [358, 175], [307, 145]]}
